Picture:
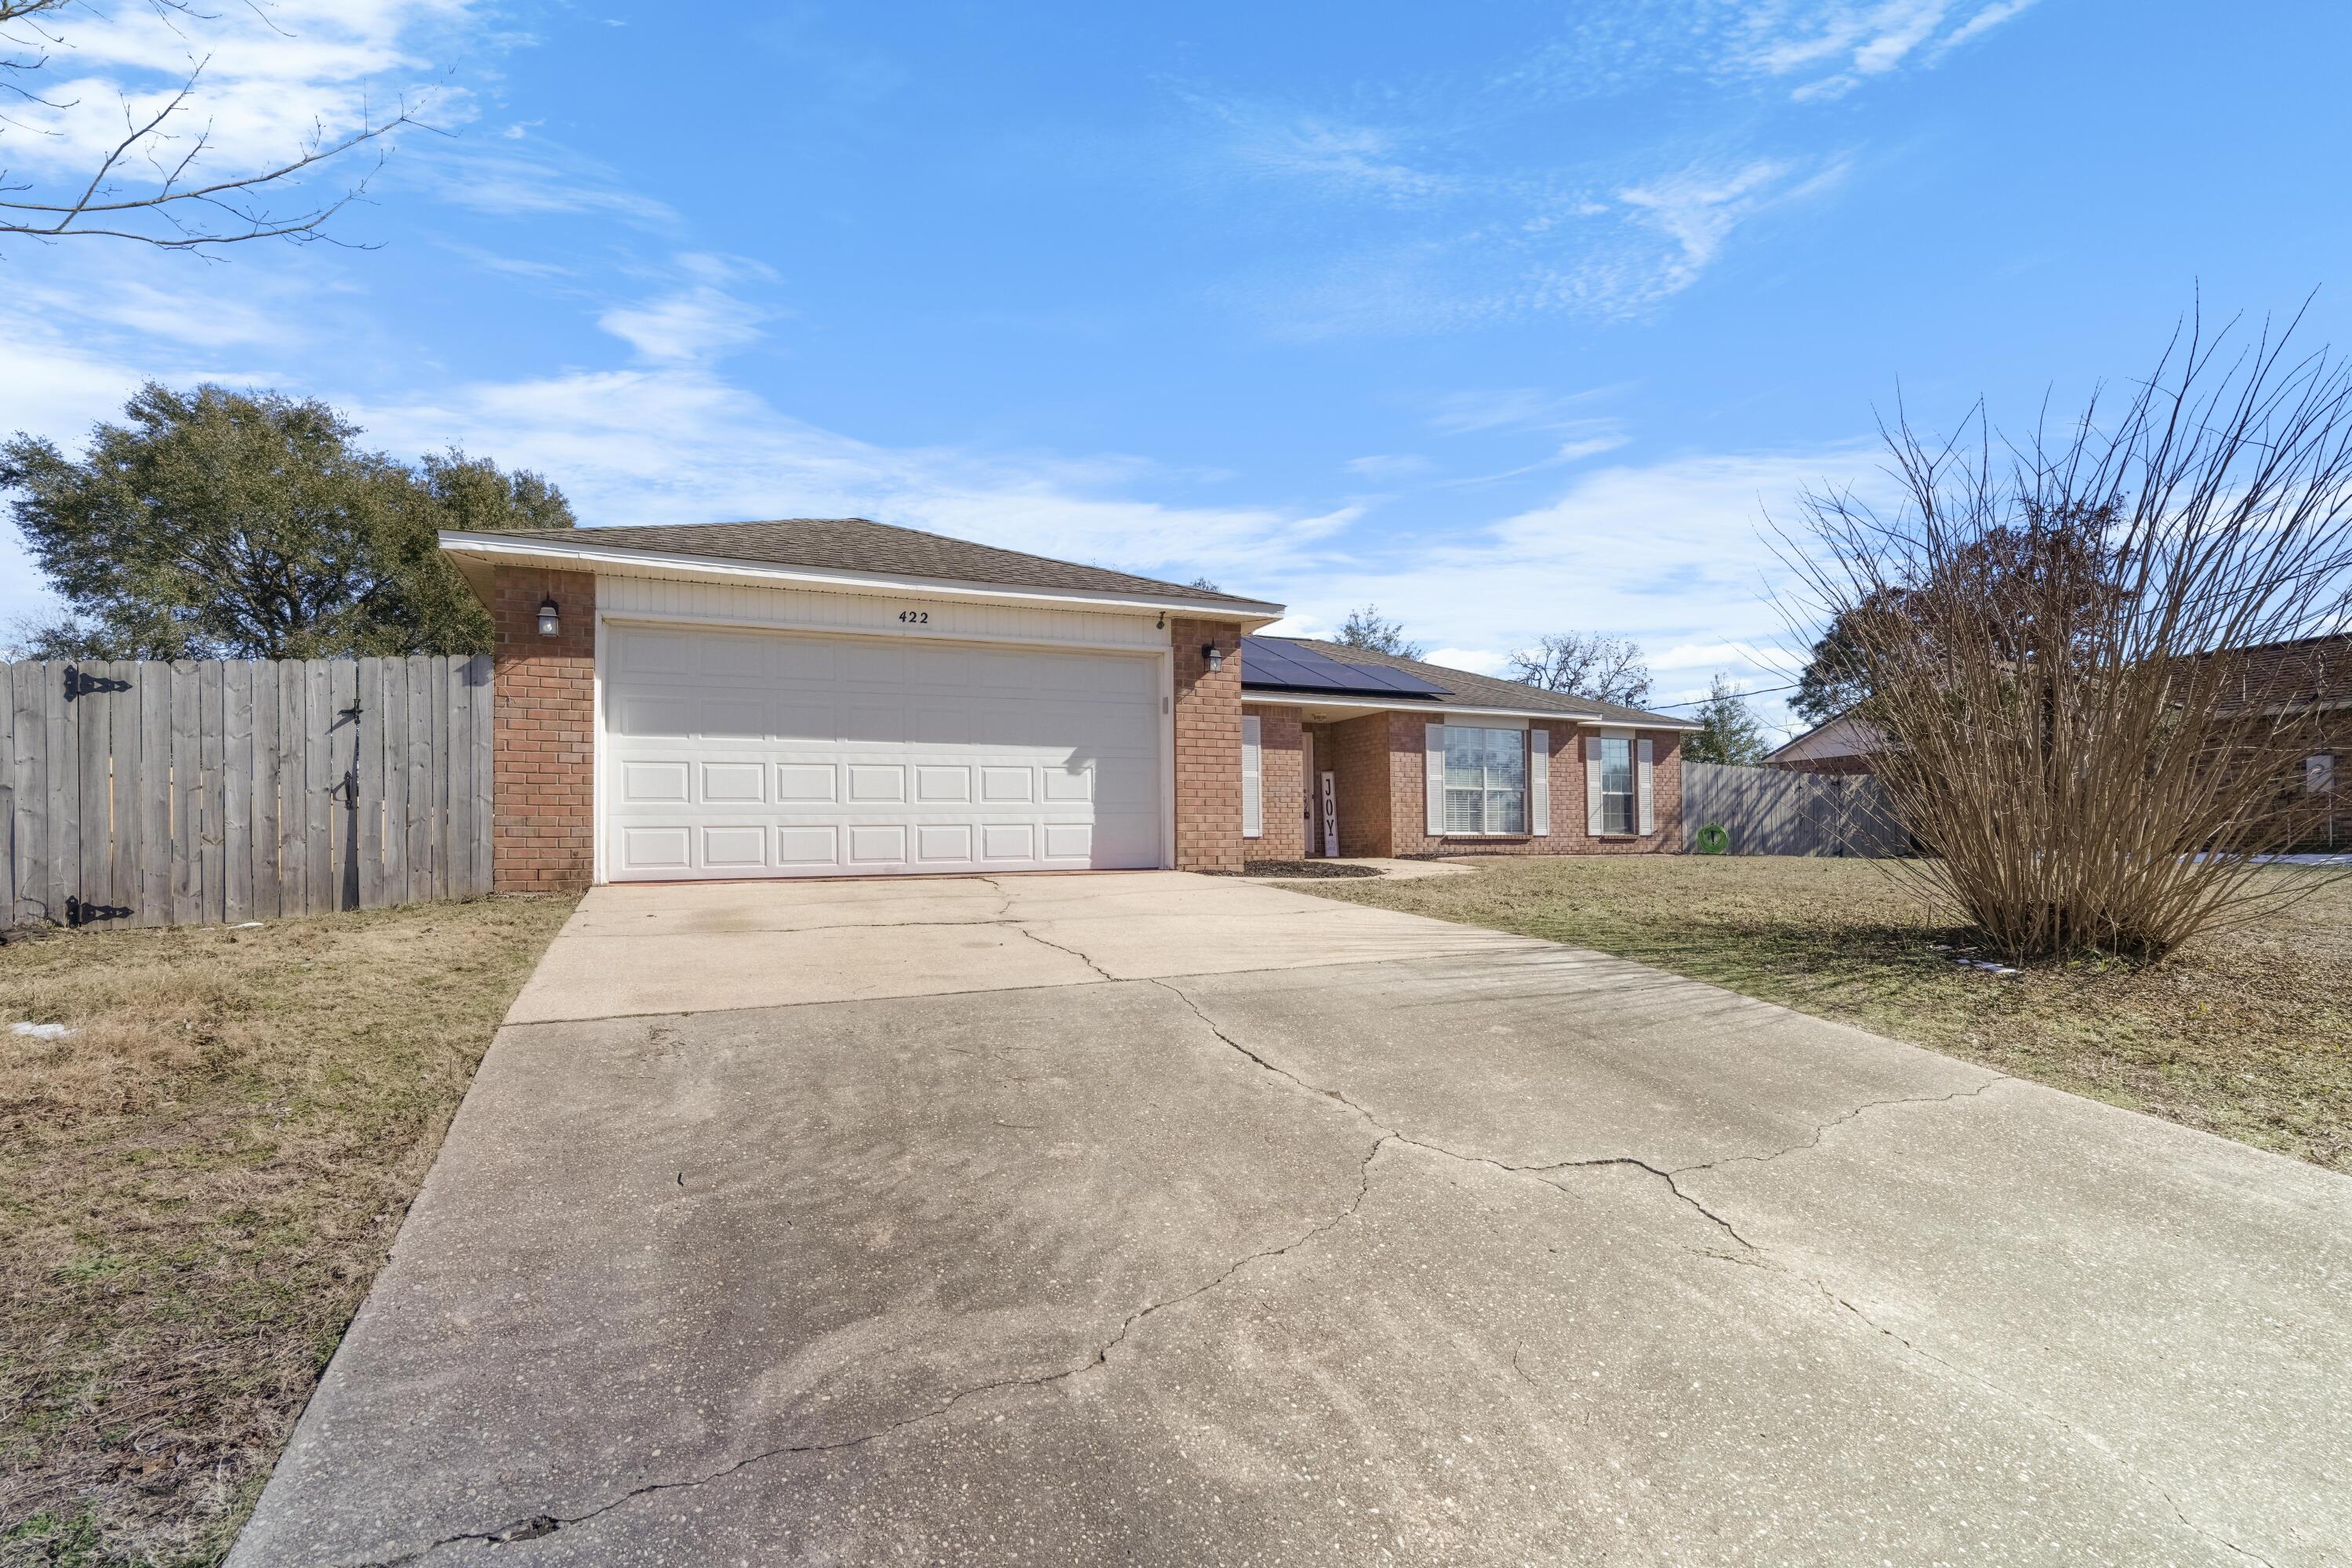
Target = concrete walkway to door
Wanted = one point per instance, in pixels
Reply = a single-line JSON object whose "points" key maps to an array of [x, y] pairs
{"points": [[1164, 1219]]}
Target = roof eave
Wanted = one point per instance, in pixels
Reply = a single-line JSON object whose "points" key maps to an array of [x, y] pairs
{"points": [[477, 554]]}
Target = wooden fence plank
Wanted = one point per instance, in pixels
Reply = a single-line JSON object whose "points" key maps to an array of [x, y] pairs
{"points": [[484, 733], [93, 878], [457, 768], [8, 801], [64, 839], [394, 725], [237, 790], [268, 901], [343, 789], [152, 786], [28, 829], [187, 814], [129, 822], [371, 784], [318, 777], [421, 693], [293, 818], [211, 858]]}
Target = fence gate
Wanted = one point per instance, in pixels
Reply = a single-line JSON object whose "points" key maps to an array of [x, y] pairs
{"points": [[1779, 810], [144, 793]]}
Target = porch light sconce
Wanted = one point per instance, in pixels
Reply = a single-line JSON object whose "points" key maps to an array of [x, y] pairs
{"points": [[548, 624], [1163, 624], [1214, 655]]}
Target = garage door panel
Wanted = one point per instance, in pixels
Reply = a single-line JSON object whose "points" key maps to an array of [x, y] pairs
{"points": [[742, 847], [765, 755], [668, 848], [734, 783], [877, 783], [804, 846], [799, 782], [654, 783], [877, 843]]}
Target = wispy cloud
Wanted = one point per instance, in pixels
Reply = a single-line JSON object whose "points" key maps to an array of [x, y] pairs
{"points": [[1834, 48], [698, 319], [1337, 156]]}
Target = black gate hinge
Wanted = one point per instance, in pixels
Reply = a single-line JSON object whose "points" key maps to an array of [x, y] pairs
{"points": [[79, 914], [78, 684]]}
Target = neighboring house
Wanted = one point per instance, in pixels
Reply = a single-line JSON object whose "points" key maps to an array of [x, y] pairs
{"points": [[2307, 681], [844, 697], [1844, 744], [1423, 759]]}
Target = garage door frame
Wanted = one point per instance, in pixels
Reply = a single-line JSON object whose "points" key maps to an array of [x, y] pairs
{"points": [[1164, 683]]}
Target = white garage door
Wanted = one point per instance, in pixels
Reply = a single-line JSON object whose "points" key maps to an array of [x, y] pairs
{"points": [[760, 755]]}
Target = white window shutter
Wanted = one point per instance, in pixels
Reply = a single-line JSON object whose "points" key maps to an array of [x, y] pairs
{"points": [[1540, 782], [1649, 818], [1433, 763], [1592, 819], [1253, 780]]}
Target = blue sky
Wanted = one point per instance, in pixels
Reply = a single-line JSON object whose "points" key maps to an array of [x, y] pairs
{"points": [[1512, 318]]}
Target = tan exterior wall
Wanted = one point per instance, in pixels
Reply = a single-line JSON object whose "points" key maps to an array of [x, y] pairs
{"points": [[543, 769], [1208, 761], [1282, 782]]}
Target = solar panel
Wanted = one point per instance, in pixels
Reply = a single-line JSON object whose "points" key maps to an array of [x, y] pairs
{"points": [[1273, 664]]}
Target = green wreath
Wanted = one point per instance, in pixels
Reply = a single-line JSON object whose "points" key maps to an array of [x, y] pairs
{"points": [[1713, 840]]}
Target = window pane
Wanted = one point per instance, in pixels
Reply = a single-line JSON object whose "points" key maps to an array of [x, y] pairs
{"points": [[1507, 811], [1465, 758], [1616, 813], [1506, 758], [1616, 764], [1464, 811]]}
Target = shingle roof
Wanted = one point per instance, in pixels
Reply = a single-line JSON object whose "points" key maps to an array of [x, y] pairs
{"points": [[856, 544], [1484, 688]]}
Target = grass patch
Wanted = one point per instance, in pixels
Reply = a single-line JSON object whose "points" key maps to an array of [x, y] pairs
{"points": [[2247, 1034], [196, 1189]]}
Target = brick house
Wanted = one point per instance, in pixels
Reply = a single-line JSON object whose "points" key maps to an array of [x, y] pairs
{"points": [[842, 698]]}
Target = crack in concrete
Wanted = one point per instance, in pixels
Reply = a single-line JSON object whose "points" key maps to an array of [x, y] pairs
{"points": [[1074, 953], [1757, 1254], [534, 1526]]}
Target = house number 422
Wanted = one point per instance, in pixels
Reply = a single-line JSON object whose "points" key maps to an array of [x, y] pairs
{"points": [[915, 617]]}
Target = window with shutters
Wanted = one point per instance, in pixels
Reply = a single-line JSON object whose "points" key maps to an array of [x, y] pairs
{"points": [[1486, 780], [1617, 798]]}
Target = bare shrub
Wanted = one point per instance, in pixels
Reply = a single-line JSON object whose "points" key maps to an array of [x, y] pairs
{"points": [[2047, 630]]}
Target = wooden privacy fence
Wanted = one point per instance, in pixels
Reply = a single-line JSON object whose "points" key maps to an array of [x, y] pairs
{"points": [[1776, 811], [136, 793]]}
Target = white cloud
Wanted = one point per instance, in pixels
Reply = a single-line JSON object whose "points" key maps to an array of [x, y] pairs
{"points": [[1838, 47], [273, 77], [1391, 466], [1336, 156], [693, 322], [1478, 660]]}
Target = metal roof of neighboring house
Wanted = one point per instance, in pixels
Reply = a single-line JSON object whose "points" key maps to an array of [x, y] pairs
{"points": [[1464, 686]]}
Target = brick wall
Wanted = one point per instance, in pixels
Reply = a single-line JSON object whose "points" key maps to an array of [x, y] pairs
{"points": [[1356, 751], [1282, 777], [1208, 762], [544, 770], [1407, 816]]}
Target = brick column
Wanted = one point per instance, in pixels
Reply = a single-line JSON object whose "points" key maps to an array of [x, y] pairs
{"points": [[544, 771], [1282, 778], [1208, 761]]}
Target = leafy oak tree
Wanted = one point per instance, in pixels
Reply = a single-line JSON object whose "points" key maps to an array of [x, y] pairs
{"points": [[223, 525]]}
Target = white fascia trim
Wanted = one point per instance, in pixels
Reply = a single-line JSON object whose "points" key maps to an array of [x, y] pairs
{"points": [[1677, 725], [1436, 710], [571, 555]]}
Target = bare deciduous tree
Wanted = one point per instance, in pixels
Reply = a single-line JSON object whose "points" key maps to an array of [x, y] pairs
{"points": [[1585, 664], [155, 185], [2047, 630]]}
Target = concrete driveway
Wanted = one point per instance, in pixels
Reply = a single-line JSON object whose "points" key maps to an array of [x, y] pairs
{"points": [[1164, 1219]]}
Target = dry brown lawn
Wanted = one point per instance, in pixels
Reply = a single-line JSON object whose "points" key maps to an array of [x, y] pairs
{"points": [[2246, 1033], [196, 1187]]}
